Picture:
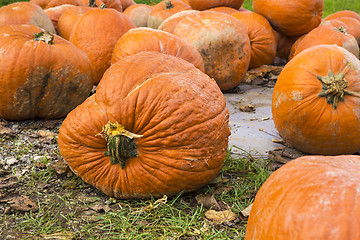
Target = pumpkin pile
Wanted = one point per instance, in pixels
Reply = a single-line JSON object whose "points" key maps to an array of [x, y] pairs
{"points": [[156, 121]]}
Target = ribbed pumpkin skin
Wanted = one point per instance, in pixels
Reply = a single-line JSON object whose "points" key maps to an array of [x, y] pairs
{"points": [[25, 13], [97, 38], [68, 19], [261, 35], [312, 197], [147, 39], [38, 80], [139, 14], [169, 24], [328, 35], [114, 4], [227, 10], [180, 112], [291, 18], [161, 12], [203, 5], [353, 25], [303, 118], [223, 43], [343, 13]]}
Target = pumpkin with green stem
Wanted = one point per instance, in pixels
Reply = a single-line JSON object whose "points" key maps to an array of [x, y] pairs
{"points": [[156, 125], [316, 101]]}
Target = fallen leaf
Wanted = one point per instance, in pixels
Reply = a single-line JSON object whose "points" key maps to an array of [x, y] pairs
{"points": [[246, 211], [247, 108], [60, 167], [99, 207], [219, 217], [22, 203], [152, 206], [47, 134], [208, 201]]}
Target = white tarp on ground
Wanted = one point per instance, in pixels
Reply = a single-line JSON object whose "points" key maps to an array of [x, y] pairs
{"points": [[252, 131]]}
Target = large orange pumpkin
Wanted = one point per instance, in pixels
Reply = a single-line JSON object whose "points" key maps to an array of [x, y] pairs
{"points": [[68, 19], [353, 26], [329, 35], [147, 39], [316, 101], [54, 3], [41, 74], [25, 13], [156, 125], [165, 9], [261, 35], [203, 5], [343, 13], [96, 37], [291, 18], [311, 197], [223, 43], [169, 24]]}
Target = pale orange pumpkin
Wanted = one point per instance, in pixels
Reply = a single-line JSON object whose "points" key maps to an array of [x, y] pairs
{"points": [[139, 14]]}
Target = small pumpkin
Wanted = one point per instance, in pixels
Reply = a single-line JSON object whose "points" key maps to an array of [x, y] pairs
{"points": [[223, 43], [311, 197], [315, 102], [156, 125], [54, 3], [25, 13], [291, 18], [54, 13], [204, 5], [147, 39], [163, 10], [41, 74], [329, 35], [97, 38], [262, 38], [139, 14]]}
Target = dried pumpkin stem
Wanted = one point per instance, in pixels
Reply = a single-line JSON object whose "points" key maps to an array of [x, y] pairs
{"points": [[45, 36], [121, 144], [168, 5], [334, 88], [92, 3]]}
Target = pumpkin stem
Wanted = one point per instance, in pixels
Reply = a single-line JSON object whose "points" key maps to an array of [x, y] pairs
{"points": [[120, 143], [102, 6], [92, 3], [342, 30], [45, 36], [168, 5], [334, 87]]}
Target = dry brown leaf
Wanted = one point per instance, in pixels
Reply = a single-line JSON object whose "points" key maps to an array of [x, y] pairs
{"points": [[246, 211], [152, 206], [66, 235], [22, 203], [208, 201], [47, 134], [219, 217], [247, 108]]}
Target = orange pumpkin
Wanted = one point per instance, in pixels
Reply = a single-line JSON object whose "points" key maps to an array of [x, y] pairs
{"points": [[223, 43], [295, 46], [261, 35], [41, 74], [54, 13], [171, 22], [115, 4], [316, 101], [156, 125], [204, 5], [97, 38], [147, 39], [54, 3], [127, 3], [329, 35], [353, 26], [227, 10], [291, 18], [68, 19], [284, 44], [343, 13], [139, 14], [311, 197], [165, 9], [25, 13]]}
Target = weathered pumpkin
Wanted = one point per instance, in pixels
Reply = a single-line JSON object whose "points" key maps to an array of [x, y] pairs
{"points": [[97, 38], [156, 125], [329, 35], [169, 24], [223, 43], [41, 74], [67, 20], [316, 101], [139, 14], [262, 37], [165, 9], [25, 13], [311, 197], [147, 39], [291, 18], [203, 5]]}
